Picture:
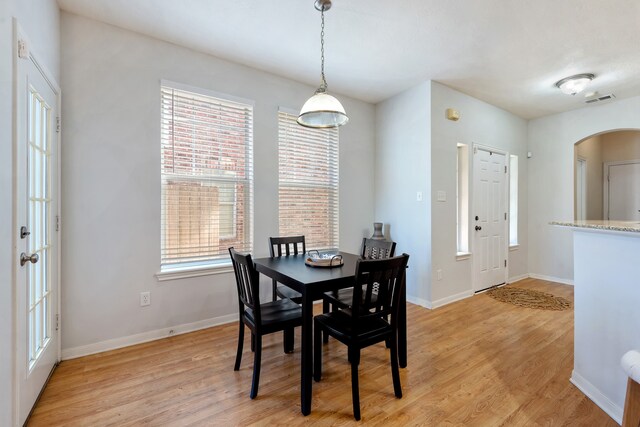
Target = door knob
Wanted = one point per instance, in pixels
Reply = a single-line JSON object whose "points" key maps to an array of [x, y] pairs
{"points": [[24, 258], [478, 228]]}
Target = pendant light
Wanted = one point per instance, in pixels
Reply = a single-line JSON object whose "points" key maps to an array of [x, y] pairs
{"points": [[322, 110]]}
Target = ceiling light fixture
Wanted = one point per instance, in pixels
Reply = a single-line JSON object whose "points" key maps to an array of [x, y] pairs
{"points": [[574, 84], [322, 110]]}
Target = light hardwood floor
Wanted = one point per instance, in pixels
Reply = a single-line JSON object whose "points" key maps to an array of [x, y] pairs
{"points": [[476, 362]]}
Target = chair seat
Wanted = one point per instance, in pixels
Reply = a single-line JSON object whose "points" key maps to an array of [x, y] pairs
{"points": [[286, 292], [339, 325], [277, 312]]}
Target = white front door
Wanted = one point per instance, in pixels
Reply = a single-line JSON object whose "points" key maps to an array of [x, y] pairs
{"points": [[489, 217], [36, 243], [623, 201]]}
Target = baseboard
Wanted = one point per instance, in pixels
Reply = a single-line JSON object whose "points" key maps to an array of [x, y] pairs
{"points": [[596, 396], [419, 301], [112, 344], [551, 279], [452, 298], [439, 303], [515, 279]]}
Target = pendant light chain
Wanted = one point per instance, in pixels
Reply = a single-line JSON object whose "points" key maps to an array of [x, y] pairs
{"points": [[323, 86]]}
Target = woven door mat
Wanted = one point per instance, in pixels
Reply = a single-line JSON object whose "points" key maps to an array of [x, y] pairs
{"points": [[530, 298]]}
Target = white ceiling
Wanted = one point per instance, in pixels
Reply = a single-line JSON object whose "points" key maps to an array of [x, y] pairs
{"points": [[506, 52]]}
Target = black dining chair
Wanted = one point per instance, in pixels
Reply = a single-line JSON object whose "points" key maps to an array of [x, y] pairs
{"points": [[261, 319], [285, 246], [365, 323], [370, 249]]}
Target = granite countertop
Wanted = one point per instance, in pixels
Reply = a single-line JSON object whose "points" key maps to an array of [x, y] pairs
{"points": [[624, 226]]}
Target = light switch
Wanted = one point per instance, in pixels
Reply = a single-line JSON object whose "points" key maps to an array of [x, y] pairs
{"points": [[419, 196], [442, 196]]}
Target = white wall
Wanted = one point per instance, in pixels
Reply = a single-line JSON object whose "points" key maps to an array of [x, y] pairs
{"points": [[403, 163], [551, 140], [111, 178], [591, 150], [480, 123], [39, 20]]}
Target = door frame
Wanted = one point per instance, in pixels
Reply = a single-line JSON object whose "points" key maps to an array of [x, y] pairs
{"points": [[475, 257], [582, 166], [19, 81], [605, 183]]}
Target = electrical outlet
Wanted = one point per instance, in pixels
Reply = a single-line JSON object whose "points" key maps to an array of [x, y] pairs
{"points": [[439, 274], [145, 299]]}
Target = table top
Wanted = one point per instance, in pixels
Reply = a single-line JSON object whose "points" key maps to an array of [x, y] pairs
{"points": [[292, 271]]}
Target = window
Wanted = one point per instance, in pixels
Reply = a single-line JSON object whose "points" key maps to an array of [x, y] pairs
{"points": [[513, 200], [207, 177], [308, 183], [462, 199]]}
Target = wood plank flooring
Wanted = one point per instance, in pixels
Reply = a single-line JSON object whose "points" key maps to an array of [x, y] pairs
{"points": [[477, 362]]}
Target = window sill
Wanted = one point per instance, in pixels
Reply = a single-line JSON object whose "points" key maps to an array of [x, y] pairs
{"points": [[514, 247], [462, 256], [197, 271]]}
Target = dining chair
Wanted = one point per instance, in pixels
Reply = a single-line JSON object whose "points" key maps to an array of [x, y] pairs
{"points": [[262, 319], [285, 246], [631, 365], [370, 249], [365, 323]]}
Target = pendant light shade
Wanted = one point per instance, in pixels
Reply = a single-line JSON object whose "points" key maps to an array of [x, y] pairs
{"points": [[322, 110]]}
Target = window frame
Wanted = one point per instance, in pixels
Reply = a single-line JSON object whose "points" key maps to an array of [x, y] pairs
{"points": [[221, 265]]}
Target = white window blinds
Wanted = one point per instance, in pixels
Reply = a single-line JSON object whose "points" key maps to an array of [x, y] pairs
{"points": [[308, 182], [207, 177]]}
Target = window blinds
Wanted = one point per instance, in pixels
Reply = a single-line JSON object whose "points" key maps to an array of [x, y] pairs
{"points": [[207, 177], [308, 182]]}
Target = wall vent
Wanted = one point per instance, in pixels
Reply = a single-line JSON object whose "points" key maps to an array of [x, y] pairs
{"points": [[600, 98]]}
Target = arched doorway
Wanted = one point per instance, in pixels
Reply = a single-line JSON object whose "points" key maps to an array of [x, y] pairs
{"points": [[607, 176]]}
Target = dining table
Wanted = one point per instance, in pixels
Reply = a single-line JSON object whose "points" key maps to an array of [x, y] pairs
{"points": [[311, 282]]}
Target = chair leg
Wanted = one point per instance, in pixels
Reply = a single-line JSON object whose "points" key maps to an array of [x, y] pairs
{"points": [[355, 390], [631, 415], [317, 350], [253, 342], [288, 340], [395, 370], [240, 345], [274, 294], [256, 367], [325, 309]]}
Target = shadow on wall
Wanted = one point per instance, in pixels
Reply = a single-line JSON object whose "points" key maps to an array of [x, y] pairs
{"points": [[607, 176]]}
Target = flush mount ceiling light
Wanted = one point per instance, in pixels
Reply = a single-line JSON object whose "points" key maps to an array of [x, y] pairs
{"points": [[574, 84], [322, 110]]}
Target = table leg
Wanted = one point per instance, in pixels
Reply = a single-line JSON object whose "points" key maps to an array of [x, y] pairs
{"points": [[307, 353], [402, 329]]}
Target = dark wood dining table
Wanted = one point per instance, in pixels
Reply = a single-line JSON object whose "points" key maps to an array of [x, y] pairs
{"points": [[312, 282]]}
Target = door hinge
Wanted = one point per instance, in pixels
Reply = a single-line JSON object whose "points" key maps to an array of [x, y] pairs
{"points": [[505, 169], [57, 222], [505, 262], [57, 322], [58, 124], [505, 216]]}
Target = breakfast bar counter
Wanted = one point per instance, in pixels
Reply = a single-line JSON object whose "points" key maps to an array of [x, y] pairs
{"points": [[607, 307]]}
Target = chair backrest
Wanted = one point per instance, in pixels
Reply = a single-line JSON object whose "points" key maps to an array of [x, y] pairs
{"points": [[377, 249], [294, 245], [383, 278], [247, 281]]}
